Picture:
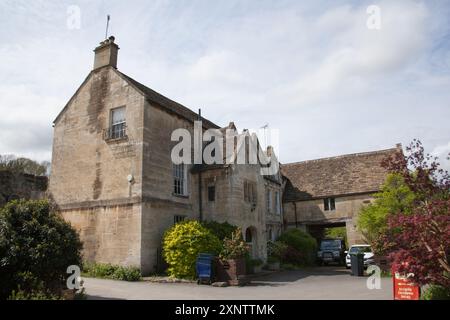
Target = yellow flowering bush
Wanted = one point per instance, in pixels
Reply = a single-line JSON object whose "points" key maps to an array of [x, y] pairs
{"points": [[183, 242]]}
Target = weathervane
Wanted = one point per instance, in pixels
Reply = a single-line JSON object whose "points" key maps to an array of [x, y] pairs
{"points": [[107, 26]]}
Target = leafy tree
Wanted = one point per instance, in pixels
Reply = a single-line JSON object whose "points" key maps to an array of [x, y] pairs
{"points": [[419, 243], [301, 247], [183, 242], [36, 247], [417, 237], [337, 232], [421, 172], [395, 197], [24, 165], [220, 230]]}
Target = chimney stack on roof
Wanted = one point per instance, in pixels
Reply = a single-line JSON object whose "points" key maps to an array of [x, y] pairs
{"points": [[106, 54]]}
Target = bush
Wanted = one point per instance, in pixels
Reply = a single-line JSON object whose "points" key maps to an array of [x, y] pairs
{"points": [[435, 292], [36, 247], [181, 245], [234, 247], [276, 251], [109, 271], [33, 295], [301, 247], [220, 230]]}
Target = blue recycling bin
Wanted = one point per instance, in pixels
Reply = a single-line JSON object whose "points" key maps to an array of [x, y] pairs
{"points": [[205, 268]]}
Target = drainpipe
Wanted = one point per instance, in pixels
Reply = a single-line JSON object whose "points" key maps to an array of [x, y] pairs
{"points": [[295, 213], [200, 205]]}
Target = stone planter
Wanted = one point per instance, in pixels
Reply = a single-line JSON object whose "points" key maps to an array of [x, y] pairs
{"points": [[231, 271]]}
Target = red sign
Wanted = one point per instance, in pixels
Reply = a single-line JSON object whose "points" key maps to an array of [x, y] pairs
{"points": [[404, 289]]}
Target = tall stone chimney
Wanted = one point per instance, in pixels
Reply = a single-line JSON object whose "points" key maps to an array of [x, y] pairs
{"points": [[106, 54]]}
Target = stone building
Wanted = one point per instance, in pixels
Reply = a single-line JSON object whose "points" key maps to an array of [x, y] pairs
{"points": [[113, 177], [329, 192]]}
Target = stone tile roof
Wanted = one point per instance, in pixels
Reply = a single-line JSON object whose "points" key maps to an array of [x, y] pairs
{"points": [[167, 103], [152, 96], [342, 175]]}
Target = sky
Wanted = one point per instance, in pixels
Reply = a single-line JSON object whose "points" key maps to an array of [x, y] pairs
{"points": [[316, 71]]}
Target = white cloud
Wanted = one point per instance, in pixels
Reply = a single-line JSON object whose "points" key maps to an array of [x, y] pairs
{"points": [[312, 70]]}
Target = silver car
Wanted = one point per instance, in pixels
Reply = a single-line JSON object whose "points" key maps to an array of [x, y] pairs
{"points": [[363, 248]]}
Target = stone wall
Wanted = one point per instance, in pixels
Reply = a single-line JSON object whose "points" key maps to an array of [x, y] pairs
{"points": [[110, 234], [20, 185], [89, 178]]}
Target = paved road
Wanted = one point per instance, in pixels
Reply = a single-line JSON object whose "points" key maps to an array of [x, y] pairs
{"points": [[315, 283]]}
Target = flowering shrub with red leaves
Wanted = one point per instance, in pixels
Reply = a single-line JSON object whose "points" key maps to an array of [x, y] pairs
{"points": [[418, 243], [421, 172], [421, 241]]}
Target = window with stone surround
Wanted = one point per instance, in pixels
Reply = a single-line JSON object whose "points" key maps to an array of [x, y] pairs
{"points": [[329, 204], [118, 123], [178, 218], [250, 191], [269, 200], [180, 179], [277, 202]]}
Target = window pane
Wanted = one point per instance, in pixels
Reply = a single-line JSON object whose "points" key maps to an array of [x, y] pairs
{"points": [[179, 179], [332, 204], [118, 115], [326, 204]]}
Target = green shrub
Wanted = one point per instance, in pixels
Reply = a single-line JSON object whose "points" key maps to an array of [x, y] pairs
{"points": [[435, 292], [33, 295], [276, 250], [110, 271], [220, 230], [181, 245], [36, 247], [301, 247], [127, 274]]}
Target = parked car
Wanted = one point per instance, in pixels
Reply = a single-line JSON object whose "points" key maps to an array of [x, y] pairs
{"points": [[363, 248], [331, 250]]}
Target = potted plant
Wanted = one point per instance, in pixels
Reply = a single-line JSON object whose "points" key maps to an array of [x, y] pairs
{"points": [[231, 264]]}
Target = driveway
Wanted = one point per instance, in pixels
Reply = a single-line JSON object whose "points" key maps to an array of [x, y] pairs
{"points": [[313, 283]]}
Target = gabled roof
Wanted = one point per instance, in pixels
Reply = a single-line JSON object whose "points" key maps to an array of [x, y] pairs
{"points": [[336, 176], [152, 96], [170, 105]]}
